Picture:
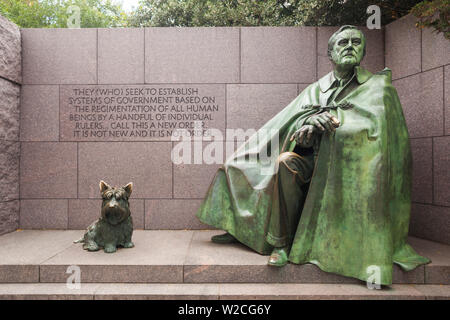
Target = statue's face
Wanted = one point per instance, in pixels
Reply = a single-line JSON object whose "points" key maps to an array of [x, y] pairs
{"points": [[348, 48]]}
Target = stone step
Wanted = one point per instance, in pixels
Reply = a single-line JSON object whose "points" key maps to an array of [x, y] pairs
{"points": [[31, 256], [235, 291]]}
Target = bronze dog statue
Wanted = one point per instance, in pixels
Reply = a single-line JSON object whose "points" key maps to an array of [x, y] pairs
{"points": [[115, 226]]}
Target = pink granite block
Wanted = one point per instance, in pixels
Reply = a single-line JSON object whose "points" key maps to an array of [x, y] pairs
{"points": [[157, 291], [195, 164], [56, 56], [9, 170], [157, 257], [48, 170], [441, 166], [219, 273], [301, 87], [146, 164], [121, 55], [373, 61], [434, 292], [113, 273], [22, 251], [193, 180], [9, 110], [438, 271], [447, 99], [39, 113], [437, 275], [421, 99], [19, 273], [422, 188], [413, 276], [46, 291], [33, 247], [435, 49], [403, 53], [83, 212], [43, 214], [173, 214], [324, 66], [278, 55], [430, 222], [323, 35], [9, 216], [250, 106], [192, 55], [10, 51], [319, 291]]}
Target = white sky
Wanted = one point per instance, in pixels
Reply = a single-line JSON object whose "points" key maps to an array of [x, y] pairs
{"points": [[128, 5]]}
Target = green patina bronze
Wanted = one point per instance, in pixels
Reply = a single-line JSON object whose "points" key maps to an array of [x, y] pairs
{"points": [[340, 199], [115, 226]]}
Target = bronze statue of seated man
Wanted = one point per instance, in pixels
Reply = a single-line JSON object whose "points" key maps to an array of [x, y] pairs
{"points": [[339, 195]]}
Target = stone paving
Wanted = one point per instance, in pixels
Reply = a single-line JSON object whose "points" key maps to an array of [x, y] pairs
{"points": [[186, 264], [234, 291], [167, 256]]}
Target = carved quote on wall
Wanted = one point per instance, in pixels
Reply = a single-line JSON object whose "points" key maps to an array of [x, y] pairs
{"points": [[139, 112]]}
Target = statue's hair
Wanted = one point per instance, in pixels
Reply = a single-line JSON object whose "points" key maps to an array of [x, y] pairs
{"points": [[332, 39]]}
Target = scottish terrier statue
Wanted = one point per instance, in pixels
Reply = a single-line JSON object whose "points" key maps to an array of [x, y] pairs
{"points": [[115, 226]]}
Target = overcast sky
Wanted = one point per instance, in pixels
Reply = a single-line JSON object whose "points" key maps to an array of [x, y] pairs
{"points": [[129, 4]]}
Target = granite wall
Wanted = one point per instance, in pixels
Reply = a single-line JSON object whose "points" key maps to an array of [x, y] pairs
{"points": [[420, 63], [247, 74], [10, 79]]}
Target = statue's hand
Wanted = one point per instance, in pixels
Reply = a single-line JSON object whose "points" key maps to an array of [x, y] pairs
{"points": [[324, 121], [303, 136]]}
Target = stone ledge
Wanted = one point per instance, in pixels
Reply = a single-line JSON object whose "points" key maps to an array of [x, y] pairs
{"points": [[177, 257], [246, 291]]}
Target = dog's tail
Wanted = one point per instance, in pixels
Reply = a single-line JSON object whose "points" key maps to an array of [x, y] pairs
{"points": [[79, 240]]}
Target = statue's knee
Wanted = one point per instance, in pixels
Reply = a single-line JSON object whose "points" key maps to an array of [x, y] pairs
{"points": [[286, 161], [286, 157]]}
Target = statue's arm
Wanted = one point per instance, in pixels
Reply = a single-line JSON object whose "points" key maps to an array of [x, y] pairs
{"points": [[312, 126], [323, 121]]}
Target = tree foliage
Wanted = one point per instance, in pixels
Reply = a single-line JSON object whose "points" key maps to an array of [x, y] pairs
{"points": [[196, 13], [434, 14], [264, 13], [54, 13]]}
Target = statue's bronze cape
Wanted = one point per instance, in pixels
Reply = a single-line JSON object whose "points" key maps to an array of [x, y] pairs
{"points": [[356, 215]]}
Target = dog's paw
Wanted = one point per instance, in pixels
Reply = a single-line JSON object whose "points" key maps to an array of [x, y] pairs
{"points": [[91, 246], [128, 245], [110, 248]]}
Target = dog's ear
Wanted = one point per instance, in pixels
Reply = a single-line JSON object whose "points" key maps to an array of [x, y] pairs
{"points": [[128, 188], [103, 186]]}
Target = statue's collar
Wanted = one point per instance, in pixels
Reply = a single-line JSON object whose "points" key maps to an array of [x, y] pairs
{"points": [[362, 75]]}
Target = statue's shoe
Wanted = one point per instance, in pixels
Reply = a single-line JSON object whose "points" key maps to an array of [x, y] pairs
{"points": [[278, 258], [224, 238]]}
